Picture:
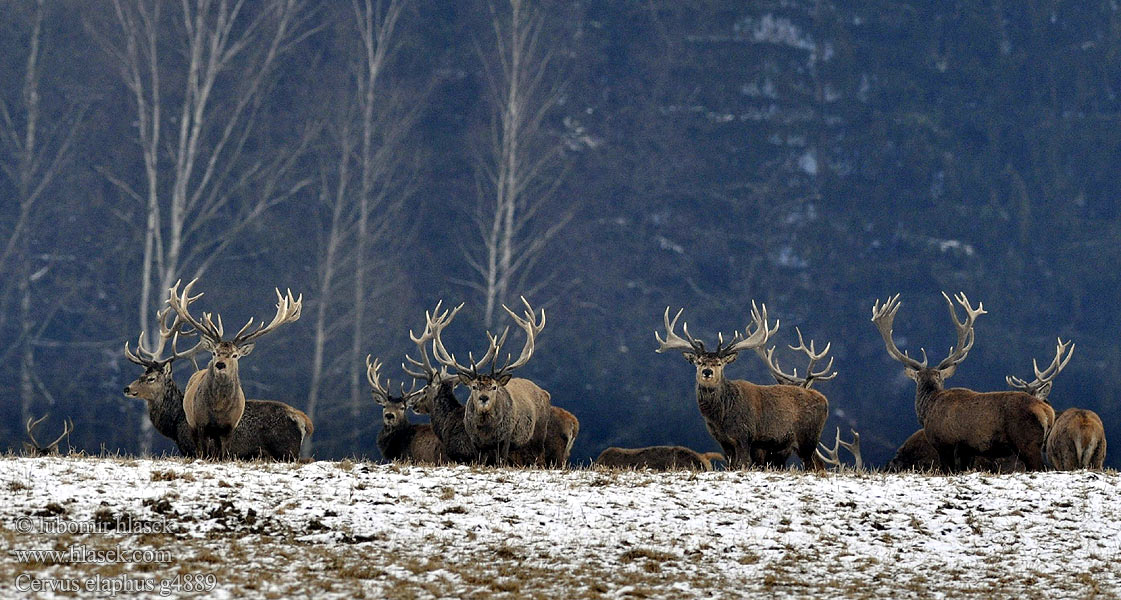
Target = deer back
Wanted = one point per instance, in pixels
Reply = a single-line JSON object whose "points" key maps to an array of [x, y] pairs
{"points": [[983, 419], [771, 411], [1077, 441]]}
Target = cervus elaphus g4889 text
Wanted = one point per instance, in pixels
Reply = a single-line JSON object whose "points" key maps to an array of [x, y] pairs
{"points": [[754, 424], [962, 424]]}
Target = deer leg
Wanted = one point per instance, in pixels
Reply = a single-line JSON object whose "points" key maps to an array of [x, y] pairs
{"points": [[946, 458]]}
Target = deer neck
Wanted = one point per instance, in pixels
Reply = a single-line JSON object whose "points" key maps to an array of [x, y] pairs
{"points": [[220, 384], [927, 389], [715, 400], [394, 441], [445, 405], [166, 412]]}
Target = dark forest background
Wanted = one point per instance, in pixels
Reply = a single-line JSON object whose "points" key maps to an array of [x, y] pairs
{"points": [[812, 155]]}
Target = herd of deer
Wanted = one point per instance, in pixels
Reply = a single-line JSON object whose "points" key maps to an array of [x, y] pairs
{"points": [[511, 421]]}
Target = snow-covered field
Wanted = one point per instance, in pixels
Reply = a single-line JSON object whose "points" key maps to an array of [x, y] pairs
{"points": [[151, 528]]}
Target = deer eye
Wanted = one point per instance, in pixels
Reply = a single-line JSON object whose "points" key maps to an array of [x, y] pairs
{"points": [[151, 379]]}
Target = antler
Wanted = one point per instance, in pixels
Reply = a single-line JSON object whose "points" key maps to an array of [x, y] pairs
{"points": [[181, 303], [287, 311], [434, 322], [675, 342], [753, 339], [883, 316], [447, 359], [830, 454], [67, 429], [381, 392], [532, 327], [964, 329], [1042, 384], [150, 358], [811, 376]]}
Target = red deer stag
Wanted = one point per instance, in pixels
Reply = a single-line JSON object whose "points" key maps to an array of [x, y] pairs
{"points": [[503, 413], [1077, 437], [960, 423], [268, 429], [214, 401], [34, 448], [399, 439], [754, 424], [657, 458], [438, 400], [448, 415]]}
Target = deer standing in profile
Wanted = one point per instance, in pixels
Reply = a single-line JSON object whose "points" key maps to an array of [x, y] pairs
{"points": [[399, 439], [1077, 437], [34, 448], [754, 424], [503, 413], [962, 424], [268, 429], [213, 400]]}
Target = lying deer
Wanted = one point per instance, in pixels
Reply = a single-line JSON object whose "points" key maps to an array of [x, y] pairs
{"points": [[657, 458], [960, 423], [1077, 437], [754, 424], [34, 448], [399, 439], [268, 429], [213, 400]]}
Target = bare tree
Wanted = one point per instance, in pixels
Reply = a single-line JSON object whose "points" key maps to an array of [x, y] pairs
{"points": [[366, 180], [35, 145], [198, 74], [522, 164]]}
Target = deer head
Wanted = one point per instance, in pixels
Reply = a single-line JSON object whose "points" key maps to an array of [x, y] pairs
{"points": [[423, 369], [710, 364], [884, 315], [157, 369], [393, 407], [225, 353], [34, 448], [1041, 387], [486, 387]]}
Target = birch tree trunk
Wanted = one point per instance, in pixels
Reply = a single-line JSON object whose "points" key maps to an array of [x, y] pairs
{"points": [[200, 187], [523, 165]]}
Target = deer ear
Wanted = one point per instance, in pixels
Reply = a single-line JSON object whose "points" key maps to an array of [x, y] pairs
{"points": [[505, 379], [1043, 392], [245, 349], [731, 358], [689, 356], [911, 373], [949, 371], [379, 399], [166, 368]]}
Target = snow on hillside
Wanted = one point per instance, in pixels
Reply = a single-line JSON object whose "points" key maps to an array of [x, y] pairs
{"points": [[343, 529]]}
